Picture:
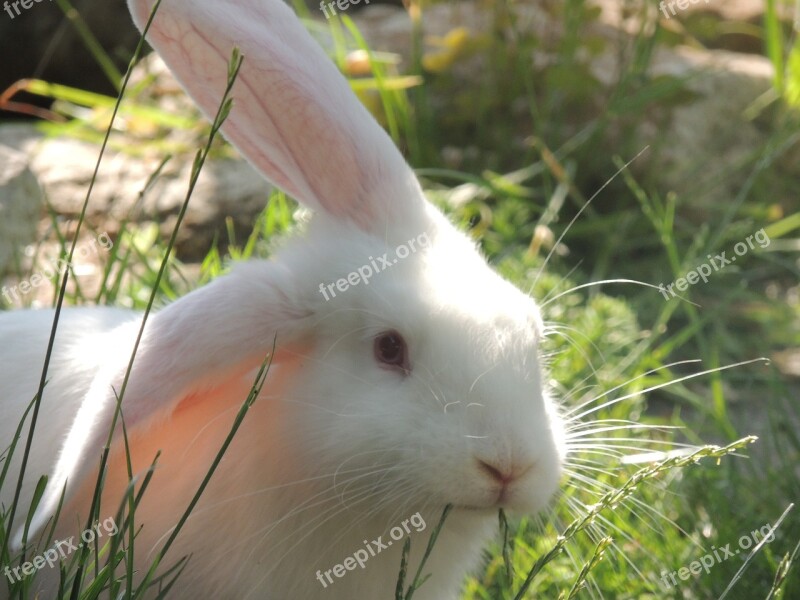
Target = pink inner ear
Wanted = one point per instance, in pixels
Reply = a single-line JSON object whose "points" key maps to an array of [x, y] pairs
{"points": [[302, 142], [303, 134], [188, 441], [294, 116], [233, 387]]}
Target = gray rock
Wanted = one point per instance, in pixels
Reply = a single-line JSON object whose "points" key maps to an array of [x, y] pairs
{"points": [[20, 206], [64, 168], [695, 146]]}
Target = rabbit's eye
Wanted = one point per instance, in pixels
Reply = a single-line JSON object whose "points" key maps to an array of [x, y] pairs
{"points": [[390, 350]]}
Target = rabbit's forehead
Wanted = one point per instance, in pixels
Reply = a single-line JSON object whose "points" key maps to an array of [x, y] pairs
{"points": [[475, 322], [440, 286], [482, 299], [474, 299]]}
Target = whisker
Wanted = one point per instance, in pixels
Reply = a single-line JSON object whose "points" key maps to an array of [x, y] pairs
{"points": [[603, 282], [583, 434], [628, 382], [583, 208], [556, 327], [668, 383]]}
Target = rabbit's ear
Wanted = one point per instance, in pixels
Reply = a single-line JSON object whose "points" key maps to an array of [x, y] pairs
{"points": [[294, 116], [196, 346]]}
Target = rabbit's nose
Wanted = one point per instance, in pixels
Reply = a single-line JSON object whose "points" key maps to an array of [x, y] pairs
{"points": [[506, 474]]}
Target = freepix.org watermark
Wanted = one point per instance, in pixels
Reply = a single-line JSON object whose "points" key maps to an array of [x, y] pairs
{"points": [[383, 262], [26, 4], [717, 555], [719, 262], [60, 550], [55, 268], [373, 548], [342, 4], [682, 5]]}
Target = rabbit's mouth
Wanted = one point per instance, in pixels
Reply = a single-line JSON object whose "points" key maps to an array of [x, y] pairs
{"points": [[491, 509], [503, 501], [478, 509]]}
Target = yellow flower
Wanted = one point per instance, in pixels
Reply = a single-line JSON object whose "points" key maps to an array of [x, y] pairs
{"points": [[453, 46]]}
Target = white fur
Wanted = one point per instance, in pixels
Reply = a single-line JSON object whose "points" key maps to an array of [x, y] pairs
{"points": [[338, 449]]}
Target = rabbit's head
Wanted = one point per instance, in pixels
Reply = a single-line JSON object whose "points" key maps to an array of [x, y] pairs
{"points": [[423, 366]]}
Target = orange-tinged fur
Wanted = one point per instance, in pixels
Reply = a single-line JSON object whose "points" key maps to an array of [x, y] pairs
{"points": [[188, 440]]}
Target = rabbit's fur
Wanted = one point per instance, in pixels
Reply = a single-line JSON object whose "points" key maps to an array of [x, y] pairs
{"points": [[339, 447]]}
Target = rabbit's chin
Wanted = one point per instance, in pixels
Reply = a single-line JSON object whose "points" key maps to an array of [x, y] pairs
{"points": [[307, 567]]}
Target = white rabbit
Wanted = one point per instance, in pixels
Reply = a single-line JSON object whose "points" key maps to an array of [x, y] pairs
{"points": [[415, 388]]}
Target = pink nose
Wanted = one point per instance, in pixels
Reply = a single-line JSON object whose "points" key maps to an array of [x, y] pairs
{"points": [[498, 475], [504, 476]]}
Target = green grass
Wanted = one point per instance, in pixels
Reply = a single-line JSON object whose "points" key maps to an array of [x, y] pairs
{"points": [[617, 527]]}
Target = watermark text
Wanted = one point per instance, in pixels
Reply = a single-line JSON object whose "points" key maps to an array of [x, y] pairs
{"points": [[373, 548], [365, 272], [343, 5], [718, 262], [60, 550], [717, 555], [55, 267], [26, 4], [682, 5]]}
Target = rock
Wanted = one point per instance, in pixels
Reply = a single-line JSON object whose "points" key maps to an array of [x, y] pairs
{"points": [[64, 167], [20, 206], [695, 146]]}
